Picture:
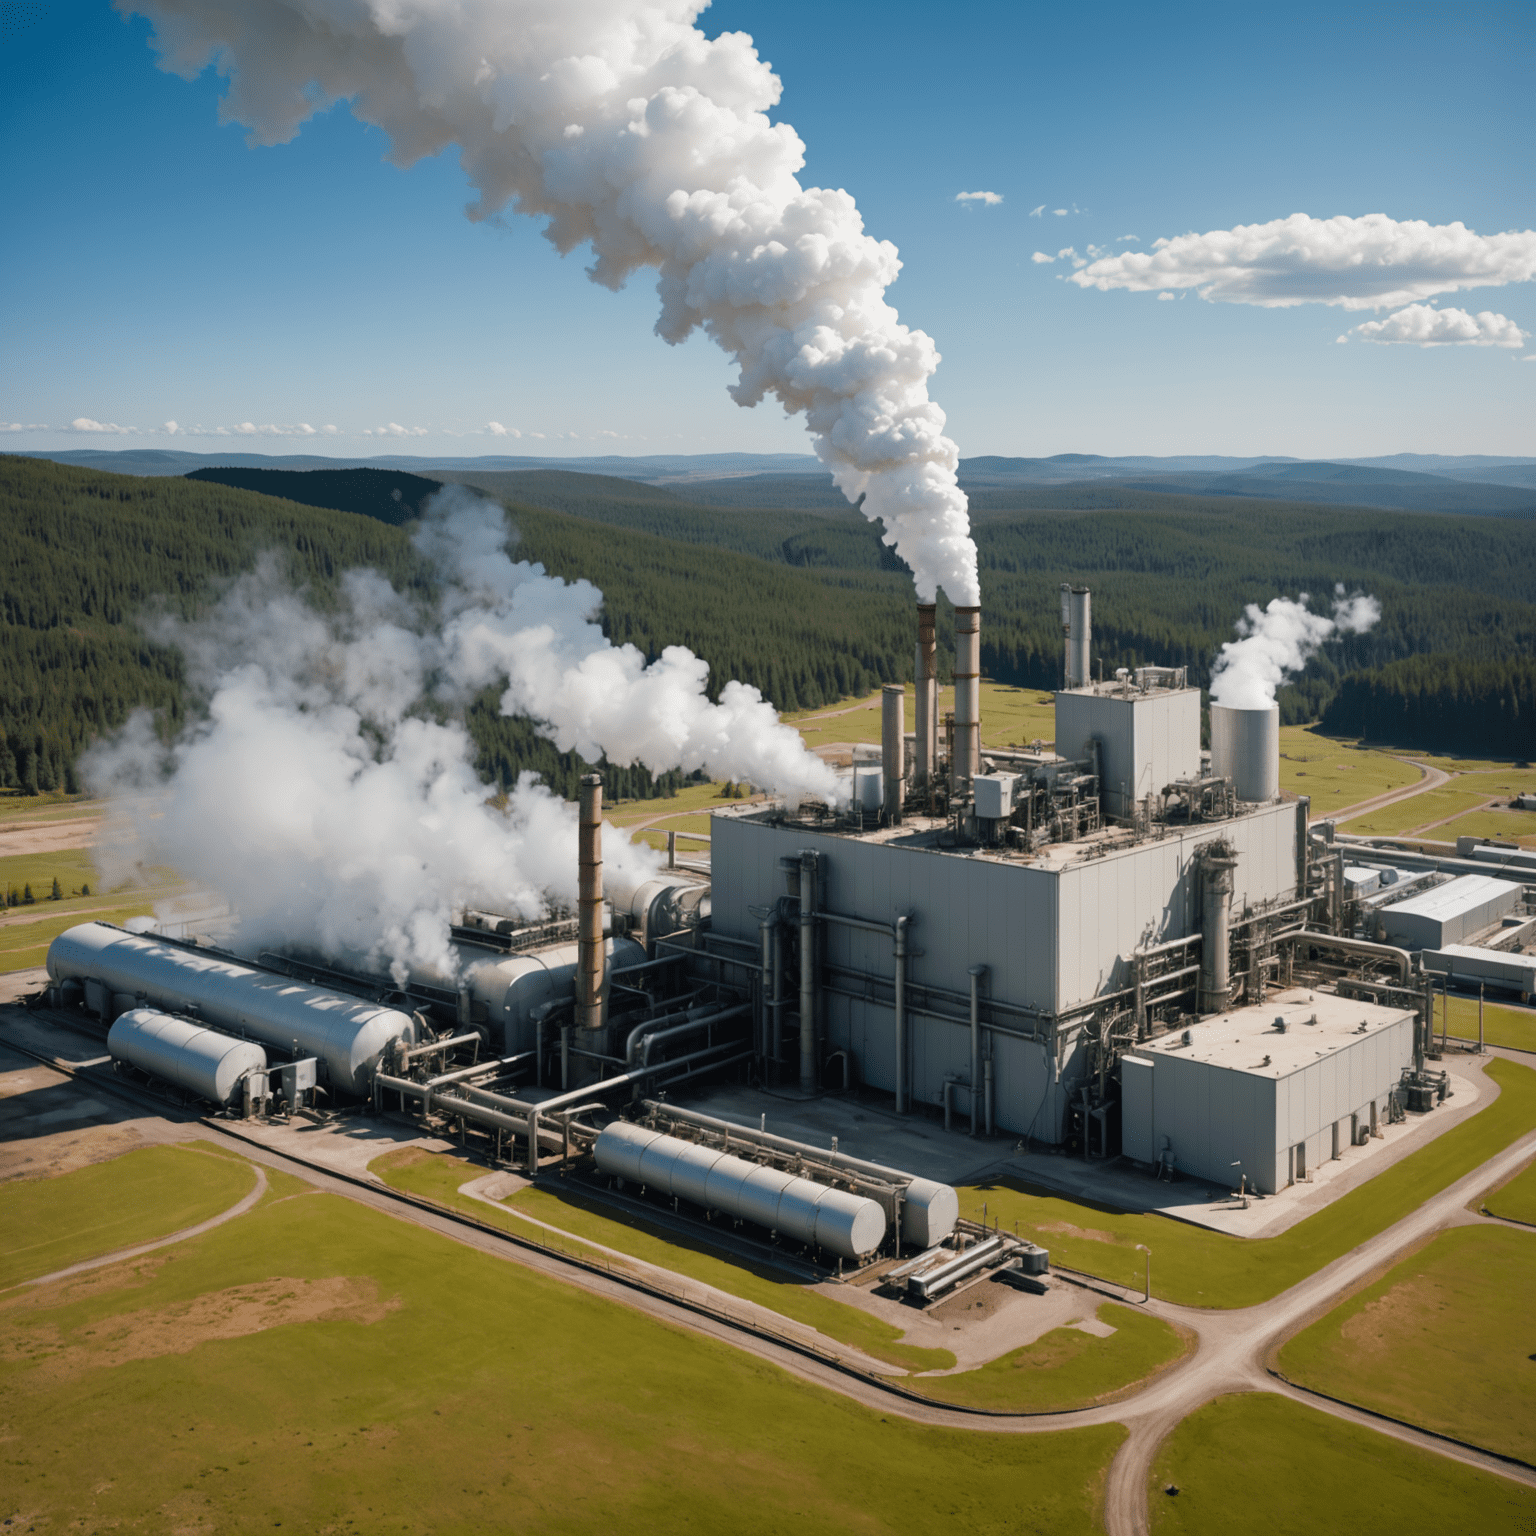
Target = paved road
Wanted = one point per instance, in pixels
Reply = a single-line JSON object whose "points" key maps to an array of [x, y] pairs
{"points": [[239, 1208], [1432, 778]]}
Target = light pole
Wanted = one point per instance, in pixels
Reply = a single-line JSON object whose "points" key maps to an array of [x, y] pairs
{"points": [[1146, 1294]]}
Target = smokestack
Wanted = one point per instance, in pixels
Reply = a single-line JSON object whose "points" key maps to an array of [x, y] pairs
{"points": [[1245, 747], [1217, 866], [590, 991], [967, 699], [893, 749], [1077, 627], [927, 695]]}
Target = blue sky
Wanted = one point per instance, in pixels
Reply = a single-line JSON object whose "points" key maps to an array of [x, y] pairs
{"points": [[157, 268]]}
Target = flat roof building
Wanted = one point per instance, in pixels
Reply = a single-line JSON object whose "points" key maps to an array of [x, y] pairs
{"points": [[1451, 913], [1268, 1091]]}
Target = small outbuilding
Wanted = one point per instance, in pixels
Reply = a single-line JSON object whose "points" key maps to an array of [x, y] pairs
{"points": [[1451, 913], [1267, 1091]]}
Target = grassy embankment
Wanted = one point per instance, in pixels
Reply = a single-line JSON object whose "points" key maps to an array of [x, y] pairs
{"points": [[1515, 1200], [1337, 774], [1512, 1028], [403, 1381], [1260, 1462], [1452, 810], [1441, 1341], [1196, 1267], [1067, 1368], [151, 1192]]}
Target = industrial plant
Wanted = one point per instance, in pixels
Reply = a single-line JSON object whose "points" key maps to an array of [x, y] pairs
{"points": [[1120, 947]]}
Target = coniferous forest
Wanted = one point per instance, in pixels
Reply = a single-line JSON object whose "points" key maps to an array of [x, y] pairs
{"points": [[805, 603]]}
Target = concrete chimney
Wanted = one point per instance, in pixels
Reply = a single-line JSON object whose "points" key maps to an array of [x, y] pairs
{"points": [[591, 990], [1077, 626], [967, 699], [893, 749], [927, 695]]}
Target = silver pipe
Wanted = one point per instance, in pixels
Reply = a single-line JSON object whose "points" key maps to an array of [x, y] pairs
{"points": [[418, 1051], [565, 1057], [976, 973], [989, 1094], [780, 1002], [1218, 865], [484, 1069], [808, 872], [765, 988], [967, 698], [691, 1027], [1399, 957]]}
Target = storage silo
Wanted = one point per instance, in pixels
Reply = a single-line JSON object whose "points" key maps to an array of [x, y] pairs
{"points": [[1245, 747], [192, 1056]]}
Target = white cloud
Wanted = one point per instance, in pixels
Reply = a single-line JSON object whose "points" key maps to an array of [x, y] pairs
{"points": [[1423, 325], [85, 424], [496, 429], [1166, 295], [1066, 253], [1061, 213], [170, 429], [1530, 357], [1367, 263], [990, 199], [1035, 213], [1135, 238], [23, 426], [1040, 256], [331, 431], [394, 429]]}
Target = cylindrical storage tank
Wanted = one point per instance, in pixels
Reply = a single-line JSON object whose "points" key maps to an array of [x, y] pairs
{"points": [[851, 1226], [1079, 603], [178, 1051], [848, 1224], [929, 1213], [893, 747], [1245, 747], [346, 1035]]}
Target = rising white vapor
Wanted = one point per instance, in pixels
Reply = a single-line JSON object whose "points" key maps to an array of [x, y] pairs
{"points": [[1423, 325], [628, 130], [1278, 641], [1367, 263], [329, 791]]}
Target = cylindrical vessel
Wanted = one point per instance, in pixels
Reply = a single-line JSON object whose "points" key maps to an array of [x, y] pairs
{"points": [[1079, 637], [1245, 747], [1217, 867], [589, 906], [967, 698], [893, 748], [927, 694], [929, 1212], [848, 1225], [190, 1055], [345, 1034]]}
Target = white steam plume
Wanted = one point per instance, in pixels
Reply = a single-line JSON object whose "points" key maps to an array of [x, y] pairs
{"points": [[326, 797], [629, 130], [1280, 640]]}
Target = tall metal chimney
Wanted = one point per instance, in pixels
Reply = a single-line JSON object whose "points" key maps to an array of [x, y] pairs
{"points": [[893, 749], [1077, 627], [927, 695], [967, 699], [591, 992], [1217, 866]]}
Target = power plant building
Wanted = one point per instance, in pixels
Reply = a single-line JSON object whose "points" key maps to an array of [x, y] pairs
{"points": [[1265, 1092], [1451, 913]]}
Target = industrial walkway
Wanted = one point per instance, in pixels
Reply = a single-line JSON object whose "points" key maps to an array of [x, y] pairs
{"points": [[1231, 1352]]}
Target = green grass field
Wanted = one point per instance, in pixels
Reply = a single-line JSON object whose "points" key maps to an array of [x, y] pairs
{"points": [[1009, 717], [1196, 1267], [1336, 774], [1259, 1462], [1416, 811], [1495, 826], [132, 1199], [1512, 1028], [1516, 1199], [54, 806], [1441, 1341], [25, 944], [318, 1366], [1067, 1368]]}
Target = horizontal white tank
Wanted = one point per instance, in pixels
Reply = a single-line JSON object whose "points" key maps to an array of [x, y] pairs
{"points": [[929, 1212], [849, 1225], [1245, 747], [345, 1034], [178, 1051]]}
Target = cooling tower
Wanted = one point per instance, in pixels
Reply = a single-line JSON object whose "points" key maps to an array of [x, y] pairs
{"points": [[1245, 747]]}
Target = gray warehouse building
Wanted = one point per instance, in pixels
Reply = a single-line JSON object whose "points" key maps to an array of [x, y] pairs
{"points": [[1451, 913], [1267, 1091]]}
